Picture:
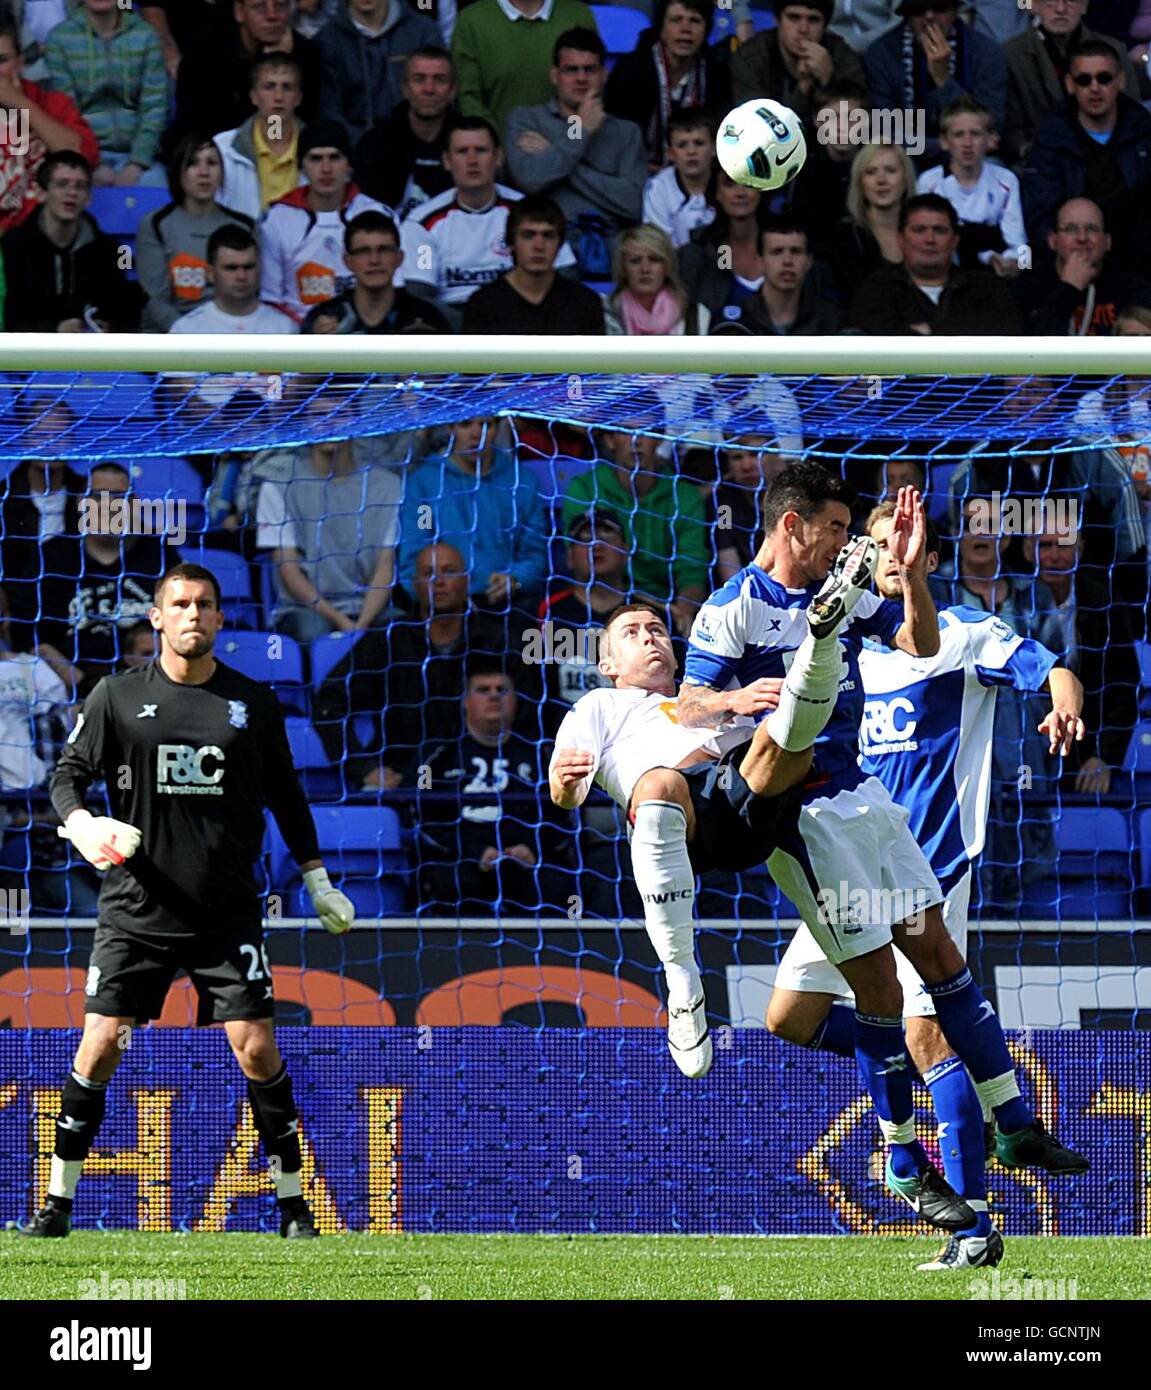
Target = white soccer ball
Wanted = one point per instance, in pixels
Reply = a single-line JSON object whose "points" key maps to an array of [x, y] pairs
{"points": [[760, 144]]}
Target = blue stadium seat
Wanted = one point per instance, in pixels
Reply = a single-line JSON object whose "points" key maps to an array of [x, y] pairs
{"points": [[1138, 757], [119, 212], [1095, 862], [235, 580], [1145, 850], [330, 650], [1143, 651], [554, 474], [175, 479], [723, 25], [619, 26], [268, 657]]}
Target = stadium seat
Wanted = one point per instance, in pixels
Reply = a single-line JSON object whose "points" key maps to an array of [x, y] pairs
{"points": [[619, 26], [235, 580], [363, 850], [173, 479], [723, 25], [554, 474], [1145, 850], [330, 650], [1143, 650], [1138, 757], [268, 657], [1095, 862], [119, 212]]}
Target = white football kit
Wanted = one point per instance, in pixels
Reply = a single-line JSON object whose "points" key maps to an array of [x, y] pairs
{"points": [[927, 733]]}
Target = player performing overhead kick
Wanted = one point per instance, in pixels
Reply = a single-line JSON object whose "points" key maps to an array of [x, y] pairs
{"points": [[191, 752], [851, 842], [927, 734], [702, 799]]}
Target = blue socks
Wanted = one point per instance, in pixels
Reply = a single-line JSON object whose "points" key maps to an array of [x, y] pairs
{"points": [[971, 1027], [961, 1147], [886, 1072], [836, 1033]]}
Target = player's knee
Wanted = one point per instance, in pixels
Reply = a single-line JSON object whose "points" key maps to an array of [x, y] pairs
{"points": [[257, 1054], [104, 1042], [788, 1026], [660, 784], [926, 944]]}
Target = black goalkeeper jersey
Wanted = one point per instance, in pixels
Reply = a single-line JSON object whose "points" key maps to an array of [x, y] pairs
{"points": [[192, 767]]}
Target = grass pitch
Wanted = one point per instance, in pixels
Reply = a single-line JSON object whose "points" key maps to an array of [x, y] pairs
{"points": [[240, 1267]]}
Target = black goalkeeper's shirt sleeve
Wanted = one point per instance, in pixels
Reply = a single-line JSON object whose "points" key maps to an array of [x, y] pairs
{"points": [[282, 791], [82, 762]]}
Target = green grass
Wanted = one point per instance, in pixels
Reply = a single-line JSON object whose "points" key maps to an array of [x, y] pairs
{"points": [[238, 1267]]}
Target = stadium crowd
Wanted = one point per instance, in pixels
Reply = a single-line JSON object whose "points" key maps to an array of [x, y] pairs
{"points": [[374, 166], [975, 168]]}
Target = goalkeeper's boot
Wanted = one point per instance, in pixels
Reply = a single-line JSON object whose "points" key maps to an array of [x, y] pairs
{"points": [[296, 1220], [53, 1220], [968, 1252], [850, 578], [1033, 1147], [688, 1039], [932, 1198]]}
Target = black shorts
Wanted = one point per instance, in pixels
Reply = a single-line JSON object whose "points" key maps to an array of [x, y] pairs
{"points": [[734, 828], [129, 976]]}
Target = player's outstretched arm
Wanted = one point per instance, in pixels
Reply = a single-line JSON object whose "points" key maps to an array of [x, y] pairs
{"points": [[919, 633], [701, 707], [1064, 725]]}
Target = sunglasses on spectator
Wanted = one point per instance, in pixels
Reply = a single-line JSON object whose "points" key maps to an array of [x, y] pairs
{"points": [[1085, 79]]}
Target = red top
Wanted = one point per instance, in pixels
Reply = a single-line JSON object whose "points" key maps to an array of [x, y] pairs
{"points": [[22, 151]]}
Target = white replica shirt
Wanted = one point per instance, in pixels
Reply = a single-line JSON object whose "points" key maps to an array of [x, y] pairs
{"points": [[631, 731], [28, 687], [452, 250], [667, 205], [219, 388], [302, 252], [994, 201]]}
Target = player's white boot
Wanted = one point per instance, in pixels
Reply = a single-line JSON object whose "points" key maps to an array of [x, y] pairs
{"points": [[688, 1039], [968, 1252], [850, 578]]}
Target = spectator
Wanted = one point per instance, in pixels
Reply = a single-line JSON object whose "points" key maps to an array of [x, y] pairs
{"points": [[794, 61], [457, 242], [34, 22], [374, 305], [63, 273], [861, 22], [409, 673], [789, 301], [235, 307], [930, 61], [723, 283], [137, 646], [335, 548], [29, 690], [54, 123], [110, 64], [1097, 145], [39, 499], [400, 161], [531, 297], [312, 15], [477, 498], [1037, 67], [1000, 20], [214, 88], [497, 845], [649, 297], [866, 238], [262, 157], [894, 473], [671, 70], [179, 22], [663, 514], [928, 293], [172, 243], [818, 193], [595, 581], [361, 51], [675, 199], [1084, 292], [589, 163], [302, 234], [1099, 646], [985, 196], [502, 50], [749, 463], [97, 585]]}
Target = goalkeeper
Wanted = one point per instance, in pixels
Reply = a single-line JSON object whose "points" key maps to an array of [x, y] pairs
{"points": [[191, 752]]}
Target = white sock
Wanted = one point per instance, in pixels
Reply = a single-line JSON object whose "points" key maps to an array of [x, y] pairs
{"points": [[809, 692], [666, 883], [288, 1185], [63, 1176]]}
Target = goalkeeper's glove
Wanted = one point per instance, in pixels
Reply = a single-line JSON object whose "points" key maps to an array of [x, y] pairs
{"points": [[334, 910], [100, 839]]}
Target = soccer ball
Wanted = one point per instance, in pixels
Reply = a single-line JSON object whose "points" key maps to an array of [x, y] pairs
{"points": [[760, 144]]}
